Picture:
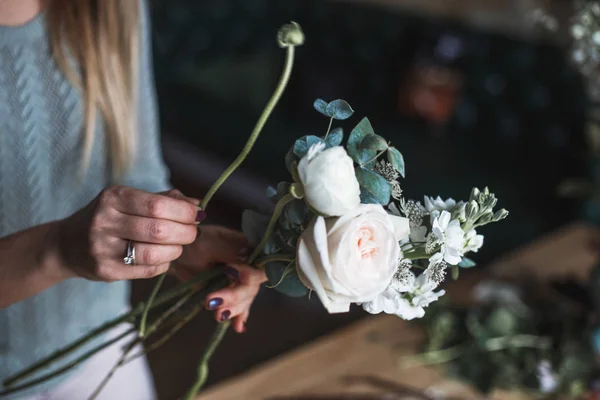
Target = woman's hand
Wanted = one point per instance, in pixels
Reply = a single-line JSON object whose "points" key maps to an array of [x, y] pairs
{"points": [[93, 241], [221, 247]]}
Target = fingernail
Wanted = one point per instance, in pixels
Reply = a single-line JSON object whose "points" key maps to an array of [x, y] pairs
{"points": [[232, 272], [200, 216], [225, 315], [214, 303]]}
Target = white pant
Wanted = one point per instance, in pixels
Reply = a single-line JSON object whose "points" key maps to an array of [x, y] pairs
{"points": [[133, 381]]}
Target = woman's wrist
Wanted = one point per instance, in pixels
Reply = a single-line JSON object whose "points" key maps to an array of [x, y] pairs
{"points": [[51, 257]]}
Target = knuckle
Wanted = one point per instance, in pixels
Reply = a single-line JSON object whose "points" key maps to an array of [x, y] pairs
{"points": [[150, 256], [155, 206], [157, 230]]}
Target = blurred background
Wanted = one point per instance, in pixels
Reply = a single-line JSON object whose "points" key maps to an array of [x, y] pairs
{"points": [[472, 92]]}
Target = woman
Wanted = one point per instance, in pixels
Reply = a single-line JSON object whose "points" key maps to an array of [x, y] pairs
{"points": [[82, 185]]}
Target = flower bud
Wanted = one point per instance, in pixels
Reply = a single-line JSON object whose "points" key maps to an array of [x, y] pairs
{"points": [[474, 194], [486, 218], [500, 215], [290, 35], [472, 209]]}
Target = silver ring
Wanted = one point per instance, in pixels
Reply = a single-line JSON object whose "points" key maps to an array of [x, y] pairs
{"points": [[129, 258]]}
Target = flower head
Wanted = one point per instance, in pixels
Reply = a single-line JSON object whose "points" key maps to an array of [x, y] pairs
{"points": [[438, 204], [449, 234]]}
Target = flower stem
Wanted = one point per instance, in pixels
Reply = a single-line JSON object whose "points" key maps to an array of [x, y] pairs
{"points": [[130, 317], [285, 200], [166, 337], [202, 372], [288, 37], [149, 302], [67, 367], [263, 261], [285, 77], [328, 128]]}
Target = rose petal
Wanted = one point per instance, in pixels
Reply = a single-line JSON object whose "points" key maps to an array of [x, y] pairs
{"points": [[401, 227]]}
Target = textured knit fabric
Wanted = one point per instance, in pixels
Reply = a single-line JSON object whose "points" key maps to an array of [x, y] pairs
{"points": [[41, 124]]}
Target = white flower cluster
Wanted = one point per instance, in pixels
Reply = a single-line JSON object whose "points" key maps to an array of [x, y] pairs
{"points": [[443, 239]]}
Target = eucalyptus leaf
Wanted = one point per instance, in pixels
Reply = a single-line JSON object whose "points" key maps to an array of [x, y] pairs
{"points": [[335, 137], [338, 109], [360, 156], [373, 186], [271, 192], [321, 106], [284, 278], [466, 263], [373, 142], [303, 144], [295, 212], [397, 160]]}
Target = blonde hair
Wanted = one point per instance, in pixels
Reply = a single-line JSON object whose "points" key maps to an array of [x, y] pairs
{"points": [[102, 38]]}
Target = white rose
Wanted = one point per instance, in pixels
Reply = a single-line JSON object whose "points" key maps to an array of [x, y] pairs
{"points": [[351, 259], [329, 180]]}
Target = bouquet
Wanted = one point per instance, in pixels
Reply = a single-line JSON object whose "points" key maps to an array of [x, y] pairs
{"points": [[340, 227]]}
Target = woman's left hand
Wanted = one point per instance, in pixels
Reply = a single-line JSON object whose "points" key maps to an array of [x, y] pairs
{"points": [[219, 247]]}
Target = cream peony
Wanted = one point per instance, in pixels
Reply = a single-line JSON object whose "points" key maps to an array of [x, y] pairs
{"points": [[329, 181], [351, 259]]}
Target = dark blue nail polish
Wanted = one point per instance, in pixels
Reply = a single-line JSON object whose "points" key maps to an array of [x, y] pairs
{"points": [[225, 315], [232, 272], [214, 303], [200, 216]]}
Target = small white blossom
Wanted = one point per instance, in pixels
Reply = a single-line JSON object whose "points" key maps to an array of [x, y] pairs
{"points": [[438, 204], [436, 272], [409, 305], [418, 234], [473, 241], [451, 237]]}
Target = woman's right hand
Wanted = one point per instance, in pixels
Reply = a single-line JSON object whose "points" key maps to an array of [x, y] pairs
{"points": [[93, 242]]}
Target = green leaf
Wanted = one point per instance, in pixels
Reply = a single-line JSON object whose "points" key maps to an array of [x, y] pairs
{"points": [[373, 187], [396, 159], [361, 156], [321, 106], [466, 263], [295, 212], [335, 137], [304, 143], [284, 278], [339, 109], [373, 142]]}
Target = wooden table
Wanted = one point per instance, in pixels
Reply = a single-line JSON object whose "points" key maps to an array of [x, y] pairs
{"points": [[362, 359]]}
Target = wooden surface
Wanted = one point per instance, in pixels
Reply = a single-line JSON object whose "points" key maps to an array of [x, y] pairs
{"points": [[364, 359]]}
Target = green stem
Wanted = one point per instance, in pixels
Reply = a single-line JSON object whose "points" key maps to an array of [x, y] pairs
{"points": [[418, 253], [202, 372], [166, 337], [328, 128], [374, 158], [67, 367], [285, 200], [285, 77], [263, 261], [130, 317], [149, 302], [289, 36]]}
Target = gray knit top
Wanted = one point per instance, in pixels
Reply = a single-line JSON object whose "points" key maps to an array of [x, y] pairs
{"points": [[41, 124]]}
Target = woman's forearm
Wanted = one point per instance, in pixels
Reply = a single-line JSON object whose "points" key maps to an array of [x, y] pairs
{"points": [[30, 262]]}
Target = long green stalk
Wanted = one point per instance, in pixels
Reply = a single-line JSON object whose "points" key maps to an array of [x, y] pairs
{"points": [[67, 367], [288, 37], [129, 317], [202, 372]]}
